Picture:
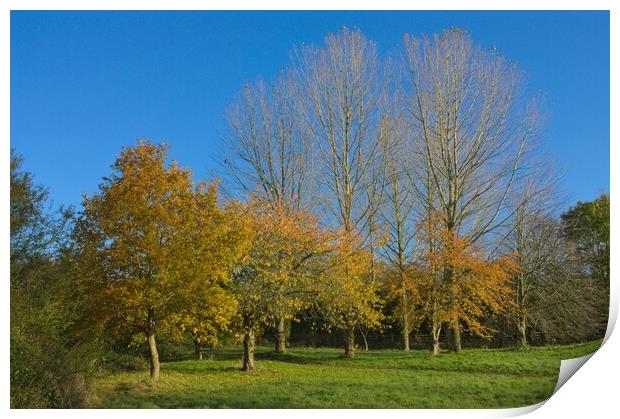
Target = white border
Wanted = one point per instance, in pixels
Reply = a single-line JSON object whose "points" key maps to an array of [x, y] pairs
{"points": [[592, 393]]}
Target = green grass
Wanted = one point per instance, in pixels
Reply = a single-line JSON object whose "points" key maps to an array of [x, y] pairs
{"points": [[322, 378]]}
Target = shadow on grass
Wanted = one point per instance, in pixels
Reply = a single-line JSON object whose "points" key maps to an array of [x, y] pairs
{"points": [[297, 358], [201, 367]]}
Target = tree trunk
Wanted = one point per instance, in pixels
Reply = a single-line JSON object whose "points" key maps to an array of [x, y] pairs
{"points": [[454, 332], [281, 336], [522, 329], [455, 336], [405, 320], [436, 330], [198, 350], [248, 351], [406, 338], [349, 348], [153, 354]]}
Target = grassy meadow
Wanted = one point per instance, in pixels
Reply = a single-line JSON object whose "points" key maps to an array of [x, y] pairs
{"points": [[322, 378]]}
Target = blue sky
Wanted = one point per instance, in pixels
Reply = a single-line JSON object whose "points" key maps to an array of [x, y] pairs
{"points": [[85, 84]]}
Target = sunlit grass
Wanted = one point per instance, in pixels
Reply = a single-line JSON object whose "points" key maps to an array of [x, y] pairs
{"points": [[321, 378]]}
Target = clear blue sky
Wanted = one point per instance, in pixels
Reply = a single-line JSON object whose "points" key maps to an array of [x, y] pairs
{"points": [[84, 84]]}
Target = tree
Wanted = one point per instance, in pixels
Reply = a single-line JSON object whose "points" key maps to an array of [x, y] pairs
{"points": [[206, 318], [219, 241], [472, 132], [587, 225], [397, 216], [151, 243], [477, 288], [535, 240], [49, 367], [341, 90], [565, 304], [532, 242], [559, 293], [348, 292], [33, 233], [275, 280], [270, 154]]}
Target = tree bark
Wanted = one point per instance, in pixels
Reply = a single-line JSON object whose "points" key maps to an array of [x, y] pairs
{"points": [[405, 335], [436, 330], [454, 331], [248, 351], [281, 336], [522, 326], [153, 354], [405, 319], [198, 350], [349, 348], [455, 336]]}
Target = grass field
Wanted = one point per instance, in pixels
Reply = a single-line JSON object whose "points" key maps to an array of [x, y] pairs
{"points": [[322, 378]]}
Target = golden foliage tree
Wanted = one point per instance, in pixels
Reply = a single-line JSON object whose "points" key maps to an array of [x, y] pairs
{"points": [[348, 291], [152, 243], [218, 242], [400, 285], [458, 280], [275, 280]]}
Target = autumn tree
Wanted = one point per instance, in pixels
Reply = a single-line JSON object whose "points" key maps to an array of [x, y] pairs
{"points": [[275, 279], [348, 295], [478, 286], [269, 154], [151, 243], [473, 128], [218, 242], [206, 319]]}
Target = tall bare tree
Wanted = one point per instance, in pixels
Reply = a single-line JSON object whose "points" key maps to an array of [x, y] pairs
{"points": [[467, 109], [397, 220], [532, 241], [269, 153], [340, 107], [563, 303], [553, 293]]}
